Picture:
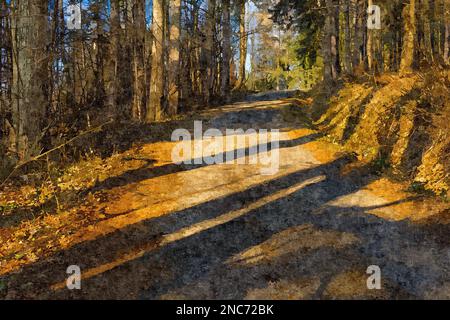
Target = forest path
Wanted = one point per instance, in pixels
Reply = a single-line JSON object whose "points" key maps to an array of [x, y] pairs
{"points": [[226, 231]]}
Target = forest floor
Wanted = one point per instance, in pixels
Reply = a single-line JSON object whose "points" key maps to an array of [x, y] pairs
{"points": [[142, 227]]}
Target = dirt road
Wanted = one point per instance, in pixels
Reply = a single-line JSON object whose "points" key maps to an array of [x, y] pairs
{"points": [[225, 231]]}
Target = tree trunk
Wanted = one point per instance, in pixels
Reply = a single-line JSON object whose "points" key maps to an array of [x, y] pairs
{"points": [[111, 77], [330, 49], [207, 60], [447, 32], [434, 10], [226, 57], [326, 44], [195, 54], [335, 52], [428, 48], [242, 45], [139, 29], [409, 20], [348, 39], [174, 56], [30, 75], [447, 44], [358, 56], [5, 81], [99, 53], [369, 45], [156, 97]]}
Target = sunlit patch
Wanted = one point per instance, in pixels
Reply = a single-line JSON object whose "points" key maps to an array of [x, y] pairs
{"points": [[150, 195], [365, 200], [323, 151], [403, 201], [299, 238], [184, 232], [386, 200], [299, 133]]}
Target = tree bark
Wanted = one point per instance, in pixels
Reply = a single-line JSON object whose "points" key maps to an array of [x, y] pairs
{"points": [[242, 45], [447, 44], [370, 45], [138, 108], [226, 55], [111, 77], [195, 54], [409, 20], [156, 96], [207, 60], [447, 32], [358, 55], [330, 44], [6, 133], [348, 38], [99, 52], [335, 29], [30, 75], [174, 56], [428, 48], [326, 44]]}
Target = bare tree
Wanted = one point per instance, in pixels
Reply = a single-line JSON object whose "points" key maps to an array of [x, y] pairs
{"points": [[174, 56], [30, 75], [156, 96], [409, 18], [242, 45], [226, 54]]}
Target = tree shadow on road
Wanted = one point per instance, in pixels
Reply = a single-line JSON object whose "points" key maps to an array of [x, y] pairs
{"points": [[141, 135], [198, 265]]}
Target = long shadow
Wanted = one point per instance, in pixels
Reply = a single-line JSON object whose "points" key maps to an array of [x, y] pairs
{"points": [[185, 265], [355, 118], [219, 243], [148, 171], [104, 249], [411, 265], [190, 264], [418, 143], [376, 245], [145, 173], [389, 244], [145, 134]]}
